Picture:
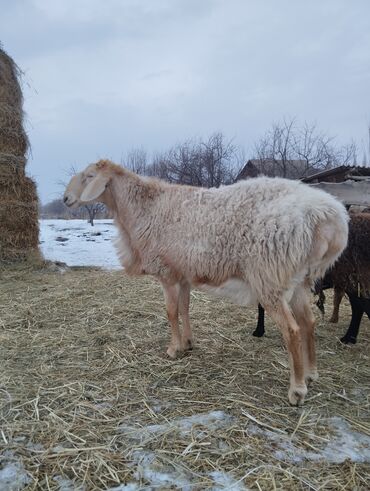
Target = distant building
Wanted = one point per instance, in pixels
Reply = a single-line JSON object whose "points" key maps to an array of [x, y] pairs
{"points": [[300, 169], [339, 174], [293, 169]]}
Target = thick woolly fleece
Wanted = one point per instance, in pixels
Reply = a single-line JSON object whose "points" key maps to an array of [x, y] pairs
{"points": [[352, 273], [253, 239]]}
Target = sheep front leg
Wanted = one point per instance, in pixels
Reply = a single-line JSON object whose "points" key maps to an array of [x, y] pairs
{"points": [[171, 295], [302, 311], [292, 338], [184, 301]]}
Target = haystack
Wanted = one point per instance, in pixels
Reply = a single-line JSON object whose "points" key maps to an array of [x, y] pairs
{"points": [[19, 230]]}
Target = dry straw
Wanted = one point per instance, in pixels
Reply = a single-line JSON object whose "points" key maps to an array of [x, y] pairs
{"points": [[87, 390], [18, 196], [13, 138]]}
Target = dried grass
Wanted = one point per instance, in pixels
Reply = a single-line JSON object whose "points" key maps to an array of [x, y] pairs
{"points": [[13, 138], [83, 359], [11, 166], [19, 228]]}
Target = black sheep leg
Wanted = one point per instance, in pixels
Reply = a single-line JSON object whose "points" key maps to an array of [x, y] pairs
{"points": [[260, 329], [357, 313]]}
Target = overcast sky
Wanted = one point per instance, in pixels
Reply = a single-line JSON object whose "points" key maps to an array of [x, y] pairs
{"points": [[106, 76]]}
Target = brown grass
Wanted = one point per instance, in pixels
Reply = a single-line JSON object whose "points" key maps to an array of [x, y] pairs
{"points": [[84, 373], [11, 167], [19, 226], [13, 138]]}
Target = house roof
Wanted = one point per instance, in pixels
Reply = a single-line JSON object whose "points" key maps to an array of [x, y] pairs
{"points": [[259, 162], [268, 167], [348, 170]]}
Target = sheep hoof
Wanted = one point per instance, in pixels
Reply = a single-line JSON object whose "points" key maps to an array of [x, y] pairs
{"points": [[296, 395], [188, 344], [258, 334], [312, 377], [173, 353], [348, 340], [333, 320]]}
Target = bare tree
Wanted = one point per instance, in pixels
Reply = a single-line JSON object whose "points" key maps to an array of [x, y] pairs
{"points": [[160, 167], [54, 209], [219, 158], [275, 149], [136, 160], [93, 210], [294, 151], [197, 162]]}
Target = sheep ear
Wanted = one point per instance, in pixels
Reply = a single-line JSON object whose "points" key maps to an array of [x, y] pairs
{"points": [[94, 189]]}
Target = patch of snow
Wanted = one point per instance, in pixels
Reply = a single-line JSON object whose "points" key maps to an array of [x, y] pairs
{"points": [[59, 448], [223, 446], [66, 484], [77, 243], [283, 447], [161, 476], [19, 439], [159, 406], [13, 476], [100, 406], [210, 421], [35, 447], [126, 487], [224, 481], [157, 474], [345, 444]]}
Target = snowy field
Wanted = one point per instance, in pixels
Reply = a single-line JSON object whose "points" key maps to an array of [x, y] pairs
{"points": [[77, 243]]}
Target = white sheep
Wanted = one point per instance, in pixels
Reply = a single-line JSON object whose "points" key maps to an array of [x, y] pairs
{"points": [[262, 240]]}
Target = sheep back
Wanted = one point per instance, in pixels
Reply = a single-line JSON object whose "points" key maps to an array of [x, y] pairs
{"points": [[261, 231]]}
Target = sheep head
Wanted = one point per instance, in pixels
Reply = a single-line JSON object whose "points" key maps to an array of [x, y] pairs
{"points": [[89, 185]]}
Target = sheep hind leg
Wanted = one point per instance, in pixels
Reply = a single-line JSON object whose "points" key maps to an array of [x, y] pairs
{"points": [[260, 329], [338, 296], [302, 311], [171, 295], [184, 302], [290, 330]]}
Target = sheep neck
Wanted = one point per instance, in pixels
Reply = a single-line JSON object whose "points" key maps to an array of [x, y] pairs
{"points": [[131, 200]]}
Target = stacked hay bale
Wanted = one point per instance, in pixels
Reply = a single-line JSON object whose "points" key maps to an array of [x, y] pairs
{"points": [[19, 228]]}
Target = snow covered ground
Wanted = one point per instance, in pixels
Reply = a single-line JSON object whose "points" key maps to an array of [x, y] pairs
{"points": [[77, 243]]}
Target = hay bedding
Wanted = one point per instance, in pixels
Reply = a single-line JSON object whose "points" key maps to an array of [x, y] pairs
{"points": [[89, 400]]}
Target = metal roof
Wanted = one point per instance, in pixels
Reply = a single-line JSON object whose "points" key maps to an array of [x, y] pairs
{"points": [[353, 169]]}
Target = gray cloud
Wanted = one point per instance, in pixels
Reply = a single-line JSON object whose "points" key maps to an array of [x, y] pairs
{"points": [[107, 76]]}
